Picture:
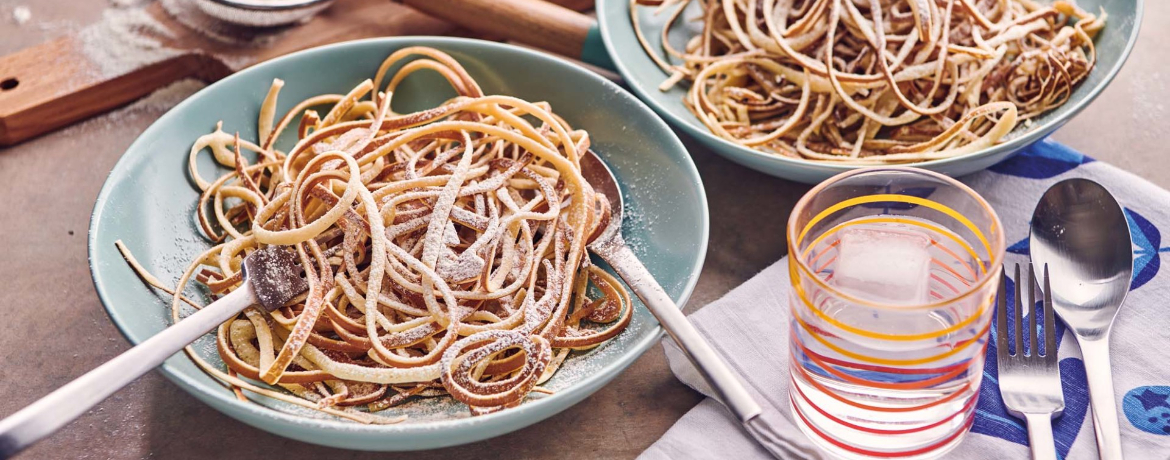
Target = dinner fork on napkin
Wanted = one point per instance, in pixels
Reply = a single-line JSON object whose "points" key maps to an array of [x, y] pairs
{"points": [[1029, 381]]}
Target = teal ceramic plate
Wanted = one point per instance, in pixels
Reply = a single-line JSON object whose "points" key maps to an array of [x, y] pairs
{"points": [[148, 202], [1113, 46]]}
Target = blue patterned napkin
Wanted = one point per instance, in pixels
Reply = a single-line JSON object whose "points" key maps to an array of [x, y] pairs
{"points": [[749, 327]]}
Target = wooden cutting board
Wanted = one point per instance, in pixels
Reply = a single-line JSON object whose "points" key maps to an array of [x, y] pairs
{"points": [[58, 83]]}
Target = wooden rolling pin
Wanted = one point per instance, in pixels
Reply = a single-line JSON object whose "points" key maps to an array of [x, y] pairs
{"points": [[551, 27], [57, 83]]}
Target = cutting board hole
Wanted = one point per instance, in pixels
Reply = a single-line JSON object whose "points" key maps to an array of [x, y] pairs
{"points": [[9, 84]]}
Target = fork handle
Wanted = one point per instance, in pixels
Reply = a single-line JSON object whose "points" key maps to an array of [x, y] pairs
{"points": [[53, 411], [714, 370], [1040, 436]]}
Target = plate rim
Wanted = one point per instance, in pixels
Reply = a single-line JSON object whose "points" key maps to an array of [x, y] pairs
{"points": [[727, 149], [516, 417]]}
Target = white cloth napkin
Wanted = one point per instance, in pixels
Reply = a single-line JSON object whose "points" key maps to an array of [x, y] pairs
{"points": [[749, 327]]}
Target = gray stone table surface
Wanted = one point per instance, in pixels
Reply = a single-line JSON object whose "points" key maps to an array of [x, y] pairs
{"points": [[53, 328]]}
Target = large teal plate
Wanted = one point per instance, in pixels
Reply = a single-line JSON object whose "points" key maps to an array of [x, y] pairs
{"points": [[148, 203], [1113, 46]]}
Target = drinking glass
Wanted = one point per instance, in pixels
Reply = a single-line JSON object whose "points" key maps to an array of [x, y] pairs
{"points": [[891, 303]]}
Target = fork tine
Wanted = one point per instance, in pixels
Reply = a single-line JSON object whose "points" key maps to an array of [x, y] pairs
{"points": [[1049, 322], [1019, 314], [1001, 341], [1032, 351]]}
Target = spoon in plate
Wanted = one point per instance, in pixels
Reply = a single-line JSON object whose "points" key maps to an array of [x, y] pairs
{"points": [[1081, 234], [612, 248]]}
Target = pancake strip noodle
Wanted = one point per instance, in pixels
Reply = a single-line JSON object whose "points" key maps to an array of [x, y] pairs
{"points": [[872, 81], [445, 249]]}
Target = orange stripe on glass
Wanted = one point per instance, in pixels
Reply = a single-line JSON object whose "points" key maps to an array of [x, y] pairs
{"points": [[900, 370], [891, 362], [885, 197], [802, 295], [897, 220], [961, 261]]}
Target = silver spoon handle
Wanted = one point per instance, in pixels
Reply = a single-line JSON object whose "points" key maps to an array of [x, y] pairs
{"points": [[725, 383], [60, 407], [1101, 396], [1040, 436]]}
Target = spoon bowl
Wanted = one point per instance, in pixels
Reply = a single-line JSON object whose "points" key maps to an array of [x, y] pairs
{"points": [[602, 179], [1080, 232]]}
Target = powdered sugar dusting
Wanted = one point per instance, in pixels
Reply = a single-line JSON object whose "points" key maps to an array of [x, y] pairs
{"points": [[21, 14], [169, 96], [423, 412], [125, 39], [156, 103], [429, 413], [583, 364]]}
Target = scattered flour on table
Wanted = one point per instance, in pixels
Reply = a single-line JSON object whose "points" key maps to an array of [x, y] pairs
{"points": [[21, 14], [168, 96], [125, 39], [159, 101], [1149, 108], [50, 29], [155, 103]]}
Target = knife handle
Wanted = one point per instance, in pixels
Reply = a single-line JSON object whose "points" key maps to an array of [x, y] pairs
{"points": [[60, 407]]}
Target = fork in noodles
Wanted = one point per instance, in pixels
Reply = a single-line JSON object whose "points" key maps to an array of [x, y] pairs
{"points": [[445, 249]]}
